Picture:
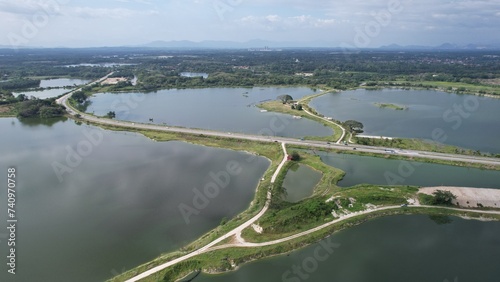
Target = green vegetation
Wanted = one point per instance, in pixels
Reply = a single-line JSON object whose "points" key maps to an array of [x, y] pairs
{"points": [[44, 109], [354, 126], [448, 86], [79, 99], [285, 219], [295, 156], [391, 106], [464, 72], [111, 115], [285, 98], [7, 111], [438, 198], [20, 84]]}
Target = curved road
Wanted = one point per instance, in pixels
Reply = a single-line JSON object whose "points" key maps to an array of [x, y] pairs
{"points": [[327, 120]]}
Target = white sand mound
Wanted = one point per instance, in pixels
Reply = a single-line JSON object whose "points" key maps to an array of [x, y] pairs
{"points": [[469, 197]]}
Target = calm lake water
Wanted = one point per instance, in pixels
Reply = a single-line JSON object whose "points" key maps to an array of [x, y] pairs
{"points": [[221, 109], [50, 93], [61, 82], [299, 182], [117, 208], [398, 248], [372, 170], [194, 74], [44, 94], [467, 121], [105, 65]]}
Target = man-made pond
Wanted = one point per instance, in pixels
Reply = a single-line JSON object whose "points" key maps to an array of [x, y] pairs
{"points": [[91, 203], [55, 92], [44, 94], [411, 248], [372, 170], [299, 182], [462, 120], [221, 109], [194, 74], [105, 65], [62, 82]]}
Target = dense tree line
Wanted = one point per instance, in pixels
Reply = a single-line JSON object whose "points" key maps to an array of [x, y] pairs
{"points": [[157, 68], [38, 108], [19, 84]]}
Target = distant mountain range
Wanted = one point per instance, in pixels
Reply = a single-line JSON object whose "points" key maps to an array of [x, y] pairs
{"points": [[265, 45], [257, 43], [445, 46]]}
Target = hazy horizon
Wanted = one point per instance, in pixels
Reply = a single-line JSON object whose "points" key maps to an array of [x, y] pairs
{"points": [[356, 23]]}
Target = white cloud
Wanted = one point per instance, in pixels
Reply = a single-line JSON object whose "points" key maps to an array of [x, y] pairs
{"points": [[106, 13], [31, 7], [271, 22], [273, 18], [147, 2], [420, 22]]}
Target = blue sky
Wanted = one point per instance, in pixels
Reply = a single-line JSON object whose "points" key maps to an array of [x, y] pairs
{"points": [[358, 23]]}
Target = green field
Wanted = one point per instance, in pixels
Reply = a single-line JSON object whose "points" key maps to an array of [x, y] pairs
{"points": [[459, 87]]}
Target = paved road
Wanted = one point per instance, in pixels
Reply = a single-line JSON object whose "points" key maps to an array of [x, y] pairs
{"points": [[327, 120], [285, 158], [314, 144]]}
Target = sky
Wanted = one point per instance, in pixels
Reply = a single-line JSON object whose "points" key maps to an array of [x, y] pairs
{"points": [[351, 23]]}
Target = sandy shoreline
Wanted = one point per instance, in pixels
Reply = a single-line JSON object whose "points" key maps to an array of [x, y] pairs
{"points": [[469, 197]]}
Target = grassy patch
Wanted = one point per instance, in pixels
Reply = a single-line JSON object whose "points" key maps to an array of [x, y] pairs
{"points": [[291, 219], [279, 107], [285, 219], [455, 87], [391, 106], [8, 110], [417, 144]]}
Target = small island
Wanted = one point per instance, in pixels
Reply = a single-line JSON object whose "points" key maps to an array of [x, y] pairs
{"points": [[391, 106]]}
